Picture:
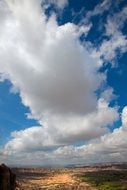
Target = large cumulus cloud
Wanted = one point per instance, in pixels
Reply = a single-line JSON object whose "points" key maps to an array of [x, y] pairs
{"points": [[55, 77]]}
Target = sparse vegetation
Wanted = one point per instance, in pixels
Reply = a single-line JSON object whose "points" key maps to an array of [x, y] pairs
{"points": [[107, 180], [102, 177]]}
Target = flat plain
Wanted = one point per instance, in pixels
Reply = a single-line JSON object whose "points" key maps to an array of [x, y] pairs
{"points": [[101, 177]]}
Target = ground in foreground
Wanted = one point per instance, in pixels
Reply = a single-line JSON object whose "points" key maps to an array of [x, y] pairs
{"points": [[106, 177]]}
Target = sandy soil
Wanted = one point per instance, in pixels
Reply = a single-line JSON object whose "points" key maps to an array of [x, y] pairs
{"points": [[68, 178], [61, 181]]}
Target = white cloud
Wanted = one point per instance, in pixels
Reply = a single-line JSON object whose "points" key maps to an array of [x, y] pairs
{"points": [[61, 131], [124, 117], [109, 49], [108, 94], [60, 3], [31, 139], [99, 9], [111, 147], [108, 148], [55, 77], [116, 44], [63, 76], [116, 22]]}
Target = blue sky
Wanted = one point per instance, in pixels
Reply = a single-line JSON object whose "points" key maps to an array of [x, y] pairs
{"points": [[63, 92]]}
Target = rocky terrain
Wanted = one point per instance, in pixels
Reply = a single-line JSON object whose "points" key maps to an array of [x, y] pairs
{"points": [[7, 178], [49, 179], [102, 177]]}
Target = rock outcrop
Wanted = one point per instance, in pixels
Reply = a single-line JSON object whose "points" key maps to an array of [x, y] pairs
{"points": [[7, 178]]}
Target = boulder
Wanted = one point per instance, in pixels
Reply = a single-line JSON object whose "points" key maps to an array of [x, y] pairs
{"points": [[7, 178]]}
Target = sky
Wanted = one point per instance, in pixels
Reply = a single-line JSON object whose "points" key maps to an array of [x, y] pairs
{"points": [[63, 92]]}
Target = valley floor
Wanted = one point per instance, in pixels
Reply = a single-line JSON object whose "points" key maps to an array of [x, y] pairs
{"points": [[78, 178], [62, 180]]}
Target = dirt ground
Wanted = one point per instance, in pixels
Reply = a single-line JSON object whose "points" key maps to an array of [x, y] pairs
{"points": [[40, 180], [73, 178]]}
